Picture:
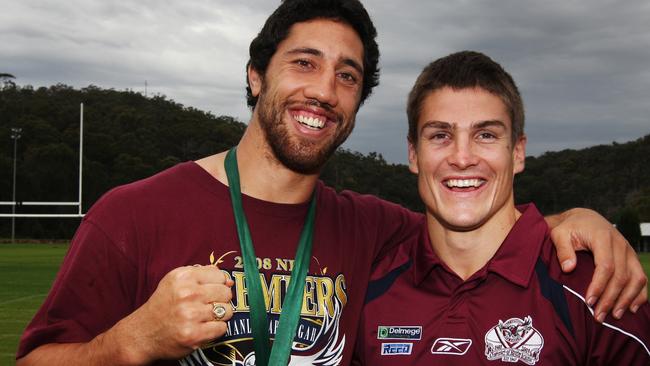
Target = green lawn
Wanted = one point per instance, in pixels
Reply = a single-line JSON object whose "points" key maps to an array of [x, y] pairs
{"points": [[645, 262], [26, 274]]}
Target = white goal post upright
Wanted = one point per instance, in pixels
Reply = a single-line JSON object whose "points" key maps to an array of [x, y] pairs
{"points": [[81, 151], [45, 203]]}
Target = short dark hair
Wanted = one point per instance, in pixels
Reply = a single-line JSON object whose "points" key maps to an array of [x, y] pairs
{"points": [[276, 30], [466, 69]]}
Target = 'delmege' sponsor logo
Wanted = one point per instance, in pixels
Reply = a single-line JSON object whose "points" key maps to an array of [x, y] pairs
{"points": [[399, 332], [451, 346], [393, 349], [514, 340]]}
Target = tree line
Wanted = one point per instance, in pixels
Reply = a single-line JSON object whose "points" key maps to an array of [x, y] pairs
{"points": [[128, 136]]}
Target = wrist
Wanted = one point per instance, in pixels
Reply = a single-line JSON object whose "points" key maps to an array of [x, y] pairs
{"points": [[554, 220], [126, 348], [559, 218]]}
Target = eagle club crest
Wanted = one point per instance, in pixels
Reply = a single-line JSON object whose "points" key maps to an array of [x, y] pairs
{"points": [[514, 340]]}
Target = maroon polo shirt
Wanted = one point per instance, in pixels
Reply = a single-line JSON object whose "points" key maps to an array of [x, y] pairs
{"points": [[518, 309]]}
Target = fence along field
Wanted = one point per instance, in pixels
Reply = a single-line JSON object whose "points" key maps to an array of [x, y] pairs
{"points": [[26, 274]]}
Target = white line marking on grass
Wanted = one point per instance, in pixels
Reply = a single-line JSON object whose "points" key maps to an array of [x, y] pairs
{"points": [[7, 321], [22, 298]]}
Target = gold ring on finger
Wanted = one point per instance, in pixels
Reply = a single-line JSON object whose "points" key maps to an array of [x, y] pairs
{"points": [[219, 311]]}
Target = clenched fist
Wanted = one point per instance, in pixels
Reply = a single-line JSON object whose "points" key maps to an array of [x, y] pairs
{"points": [[183, 313]]}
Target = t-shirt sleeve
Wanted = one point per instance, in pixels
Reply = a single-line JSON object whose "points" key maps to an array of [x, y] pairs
{"points": [[397, 225], [92, 291], [624, 341]]}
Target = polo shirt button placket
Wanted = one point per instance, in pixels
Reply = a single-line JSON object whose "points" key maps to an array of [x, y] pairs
{"points": [[457, 312]]}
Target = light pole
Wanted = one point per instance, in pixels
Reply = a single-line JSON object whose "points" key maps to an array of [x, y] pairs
{"points": [[15, 135]]}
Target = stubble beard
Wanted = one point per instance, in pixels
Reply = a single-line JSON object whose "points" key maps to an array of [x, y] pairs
{"points": [[301, 156]]}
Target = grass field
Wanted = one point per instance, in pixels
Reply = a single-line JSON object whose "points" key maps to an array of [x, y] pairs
{"points": [[645, 262], [26, 274]]}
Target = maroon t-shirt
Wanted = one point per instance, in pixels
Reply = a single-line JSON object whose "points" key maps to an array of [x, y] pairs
{"points": [[518, 309], [139, 232]]}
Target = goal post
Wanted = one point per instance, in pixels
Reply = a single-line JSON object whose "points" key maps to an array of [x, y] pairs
{"points": [[78, 203]]}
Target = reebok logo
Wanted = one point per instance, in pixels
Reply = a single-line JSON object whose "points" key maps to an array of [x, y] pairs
{"points": [[451, 346], [397, 332]]}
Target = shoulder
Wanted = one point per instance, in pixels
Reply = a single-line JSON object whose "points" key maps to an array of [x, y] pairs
{"points": [[616, 341], [578, 279], [397, 263], [146, 192], [169, 179], [363, 204], [397, 258], [138, 206]]}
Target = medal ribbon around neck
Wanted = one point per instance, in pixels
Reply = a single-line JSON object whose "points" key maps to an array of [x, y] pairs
{"points": [[292, 304]]}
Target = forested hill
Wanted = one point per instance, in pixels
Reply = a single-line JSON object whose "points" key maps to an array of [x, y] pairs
{"points": [[128, 136], [607, 178]]}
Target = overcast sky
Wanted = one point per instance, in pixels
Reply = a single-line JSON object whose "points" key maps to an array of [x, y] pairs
{"points": [[583, 66]]}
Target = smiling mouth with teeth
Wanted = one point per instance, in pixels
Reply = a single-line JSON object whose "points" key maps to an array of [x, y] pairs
{"points": [[311, 122], [464, 183]]}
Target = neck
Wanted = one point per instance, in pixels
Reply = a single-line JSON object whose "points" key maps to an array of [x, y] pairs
{"points": [[261, 175], [465, 252]]}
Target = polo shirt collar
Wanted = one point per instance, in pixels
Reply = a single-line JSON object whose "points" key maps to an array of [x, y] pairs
{"points": [[514, 260], [424, 258]]}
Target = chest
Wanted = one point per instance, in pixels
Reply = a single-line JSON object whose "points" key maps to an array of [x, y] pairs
{"points": [[333, 294], [490, 323]]}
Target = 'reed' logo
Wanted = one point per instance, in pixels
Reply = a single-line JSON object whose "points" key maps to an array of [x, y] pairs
{"points": [[392, 349]]}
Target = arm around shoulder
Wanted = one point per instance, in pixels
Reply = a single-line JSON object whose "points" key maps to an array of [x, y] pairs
{"points": [[618, 282]]}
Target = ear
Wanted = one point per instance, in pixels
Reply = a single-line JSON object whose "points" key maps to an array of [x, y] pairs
{"points": [[254, 80], [413, 158], [519, 154]]}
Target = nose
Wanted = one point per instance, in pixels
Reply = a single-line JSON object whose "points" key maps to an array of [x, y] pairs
{"points": [[322, 87], [463, 155]]}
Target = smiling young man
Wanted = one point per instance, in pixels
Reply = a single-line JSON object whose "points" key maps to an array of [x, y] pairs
{"points": [[482, 285], [128, 292]]}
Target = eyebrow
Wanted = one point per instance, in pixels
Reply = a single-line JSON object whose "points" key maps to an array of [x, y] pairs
{"points": [[436, 124], [442, 125], [318, 53], [490, 123]]}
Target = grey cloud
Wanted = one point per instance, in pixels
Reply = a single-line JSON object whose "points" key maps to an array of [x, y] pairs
{"points": [[582, 66]]}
